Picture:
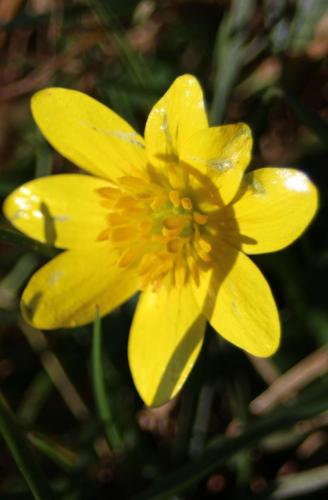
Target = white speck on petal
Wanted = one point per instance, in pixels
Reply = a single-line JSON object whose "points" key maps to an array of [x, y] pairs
{"points": [[131, 137], [55, 277], [296, 181], [61, 218], [160, 110], [22, 203], [257, 187], [25, 190], [219, 165], [235, 309], [37, 214], [20, 214]]}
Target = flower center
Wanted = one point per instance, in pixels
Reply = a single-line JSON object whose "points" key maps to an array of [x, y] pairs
{"points": [[156, 227]]}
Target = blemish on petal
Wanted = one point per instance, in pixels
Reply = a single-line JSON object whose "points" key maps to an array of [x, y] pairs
{"points": [[219, 165], [20, 214], [61, 218], [257, 187], [55, 277]]}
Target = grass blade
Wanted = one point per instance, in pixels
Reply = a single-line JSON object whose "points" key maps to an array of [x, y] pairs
{"points": [[99, 388], [224, 448], [22, 454], [10, 236]]}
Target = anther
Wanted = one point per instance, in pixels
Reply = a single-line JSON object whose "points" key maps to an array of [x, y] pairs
{"points": [[200, 218], [186, 203], [174, 197]]}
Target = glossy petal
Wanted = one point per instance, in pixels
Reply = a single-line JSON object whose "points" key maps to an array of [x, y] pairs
{"points": [[60, 210], [165, 340], [174, 118], [222, 154], [238, 302], [274, 207], [88, 133], [68, 289]]}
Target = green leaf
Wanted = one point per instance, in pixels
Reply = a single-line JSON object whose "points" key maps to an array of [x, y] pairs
{"points": [[61, 455]]}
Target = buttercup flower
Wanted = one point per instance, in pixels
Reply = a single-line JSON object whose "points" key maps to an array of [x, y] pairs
{"points": [[173, 215]]}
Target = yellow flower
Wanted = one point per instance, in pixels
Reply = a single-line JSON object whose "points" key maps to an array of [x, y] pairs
{"points": [[172, 215]]}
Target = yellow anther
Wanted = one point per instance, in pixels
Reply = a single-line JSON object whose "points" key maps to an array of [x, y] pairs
{"points": [[193, 268], [161, 270], [123, 233], [171, 233], [146, 264], [176, 221], [175, 245], [205, 245], [180, 272], [109, 192], [134, 184], [204, 256], [174, 197], [127, 203], [130, 256], [186, 203], [103, 235], [145, 226], [200, 218], [118, 219], [174, 178], [158, 202]]}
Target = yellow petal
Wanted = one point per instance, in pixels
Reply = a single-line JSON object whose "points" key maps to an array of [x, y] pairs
{"points": [[88, 133], [222, 154], [165, 340], [60, 210], [238, 302], [274, 207], [68, 289], [174, 118]]}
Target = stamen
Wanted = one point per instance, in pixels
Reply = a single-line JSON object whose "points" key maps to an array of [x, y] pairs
{"points": [[104, 235], [174, 178], [158, 202], [200, 218], [134, 184], [180, 272], [122, 233], [174, 197], [118, 219], [193, 268], [175, 245], [130, 256], [176, 221], [186, 203], [204, 244], [109, 192], [204, 256], [128, 203]]}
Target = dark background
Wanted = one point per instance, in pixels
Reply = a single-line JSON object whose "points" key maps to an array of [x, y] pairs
{"points": [[243, 427]]}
